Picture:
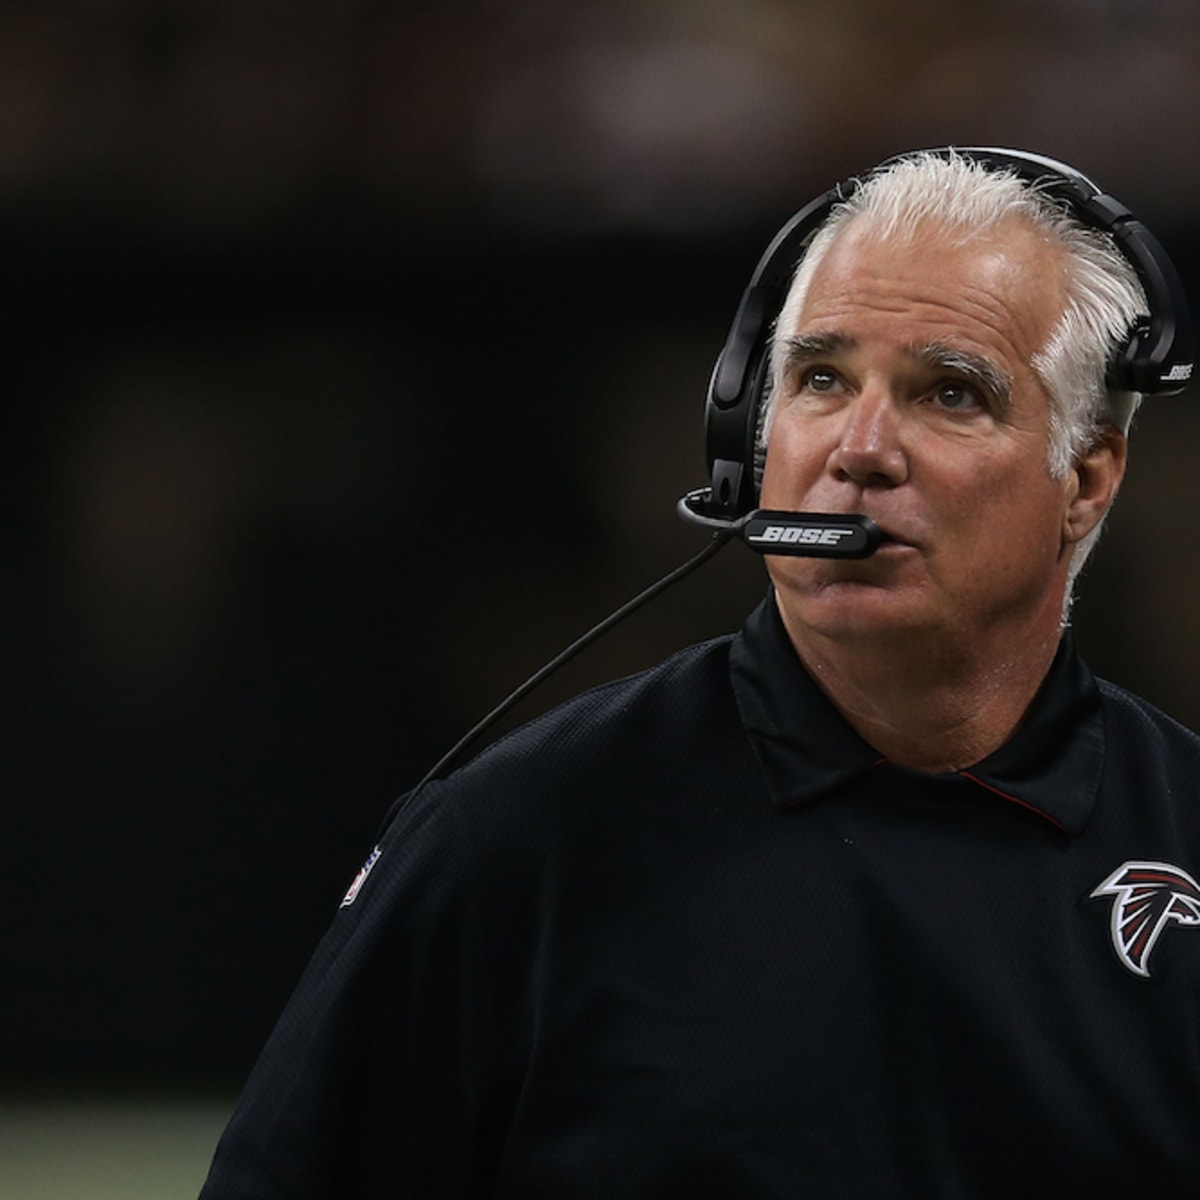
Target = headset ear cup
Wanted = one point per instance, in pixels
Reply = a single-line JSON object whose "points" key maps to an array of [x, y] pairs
{"points": [[1122, 375], [732, 434]]}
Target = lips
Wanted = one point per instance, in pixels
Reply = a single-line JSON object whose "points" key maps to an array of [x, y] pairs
{"points": [[893, 537], [893, 531]]}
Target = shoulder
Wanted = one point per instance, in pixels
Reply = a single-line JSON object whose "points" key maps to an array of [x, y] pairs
{"points": [[1150, 754], [665, 702], [624, 760], [592, 744], [1148, 804], [1130, 717]]}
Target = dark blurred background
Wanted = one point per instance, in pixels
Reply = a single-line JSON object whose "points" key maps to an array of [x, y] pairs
{"points": [[355, 359]]}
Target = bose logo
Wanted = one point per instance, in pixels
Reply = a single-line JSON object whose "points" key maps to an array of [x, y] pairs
{"points": [[805, 535], [1179, 373]]}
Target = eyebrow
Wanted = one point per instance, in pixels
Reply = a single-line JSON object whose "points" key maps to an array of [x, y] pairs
{"points": [[804, 347], [983, 371]]}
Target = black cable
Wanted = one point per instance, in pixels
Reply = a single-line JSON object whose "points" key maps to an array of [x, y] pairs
{"points": [[565, 656]]}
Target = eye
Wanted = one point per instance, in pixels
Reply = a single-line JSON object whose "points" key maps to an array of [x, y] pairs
{"points": [[954, 395], [819, 379]]}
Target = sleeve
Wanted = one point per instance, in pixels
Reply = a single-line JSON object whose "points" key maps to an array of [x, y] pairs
{"points": [[375, 1081]]}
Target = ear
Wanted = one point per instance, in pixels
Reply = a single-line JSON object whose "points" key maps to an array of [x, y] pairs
{"points": [[1093, 483]]}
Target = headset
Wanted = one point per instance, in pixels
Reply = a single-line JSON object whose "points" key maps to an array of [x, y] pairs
{"points": [[1155, 357]]}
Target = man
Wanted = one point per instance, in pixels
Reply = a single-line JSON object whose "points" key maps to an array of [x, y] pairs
{"points": [[909, 391], [860, 902]]}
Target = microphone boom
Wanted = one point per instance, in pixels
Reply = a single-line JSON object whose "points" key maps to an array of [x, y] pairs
{"points": [[805, 535]]}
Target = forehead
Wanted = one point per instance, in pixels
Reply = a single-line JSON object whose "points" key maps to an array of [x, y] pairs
{"points": [[999, 291]]}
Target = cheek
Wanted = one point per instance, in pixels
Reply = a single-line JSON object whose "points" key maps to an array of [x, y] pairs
{"points": [[791, 466], [1012, 517]]}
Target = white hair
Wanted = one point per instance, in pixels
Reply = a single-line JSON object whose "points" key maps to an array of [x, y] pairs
{"points": [[1104, 295]]}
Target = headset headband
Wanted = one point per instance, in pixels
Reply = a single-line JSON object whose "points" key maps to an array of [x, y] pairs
{"points": [[1155, 358]]}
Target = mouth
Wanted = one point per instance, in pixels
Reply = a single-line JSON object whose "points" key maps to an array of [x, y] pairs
{"points": [[891, 538]]}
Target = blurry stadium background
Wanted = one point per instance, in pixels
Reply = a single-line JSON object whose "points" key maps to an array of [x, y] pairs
{"points": [[355, 360]]}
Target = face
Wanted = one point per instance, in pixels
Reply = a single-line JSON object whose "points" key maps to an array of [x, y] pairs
{"points": [[909, 397]]}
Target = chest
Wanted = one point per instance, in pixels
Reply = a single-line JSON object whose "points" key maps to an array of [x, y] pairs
{"points": [[893, 994]]}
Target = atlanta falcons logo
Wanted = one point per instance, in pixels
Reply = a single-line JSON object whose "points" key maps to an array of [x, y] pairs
{"points": [[1147, 895]]}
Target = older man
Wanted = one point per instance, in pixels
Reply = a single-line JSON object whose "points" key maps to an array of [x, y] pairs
{"points": [[909, 390], [860, 902]]}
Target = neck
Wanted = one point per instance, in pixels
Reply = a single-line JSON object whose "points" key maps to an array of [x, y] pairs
{"points": [[931, 706]]}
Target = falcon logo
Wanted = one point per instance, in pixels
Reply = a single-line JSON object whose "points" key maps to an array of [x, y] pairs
{"points": [[1146, 896]]}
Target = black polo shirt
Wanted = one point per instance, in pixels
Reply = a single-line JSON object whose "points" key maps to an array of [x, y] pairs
{"points": [[689, 936]]}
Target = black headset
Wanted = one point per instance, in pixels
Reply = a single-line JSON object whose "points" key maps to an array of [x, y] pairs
{"points": [[1155, 358]]}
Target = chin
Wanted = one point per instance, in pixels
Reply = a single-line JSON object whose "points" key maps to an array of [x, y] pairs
{"points": [[851, 610]]}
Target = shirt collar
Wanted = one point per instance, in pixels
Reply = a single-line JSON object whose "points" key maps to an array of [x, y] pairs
{"points": [[1052, 764]]}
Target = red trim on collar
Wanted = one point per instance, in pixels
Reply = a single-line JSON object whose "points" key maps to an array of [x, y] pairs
{"points": [[1015, 799]]}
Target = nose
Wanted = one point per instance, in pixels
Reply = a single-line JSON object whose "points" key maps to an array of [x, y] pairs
{"points": [[869, 449]]}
